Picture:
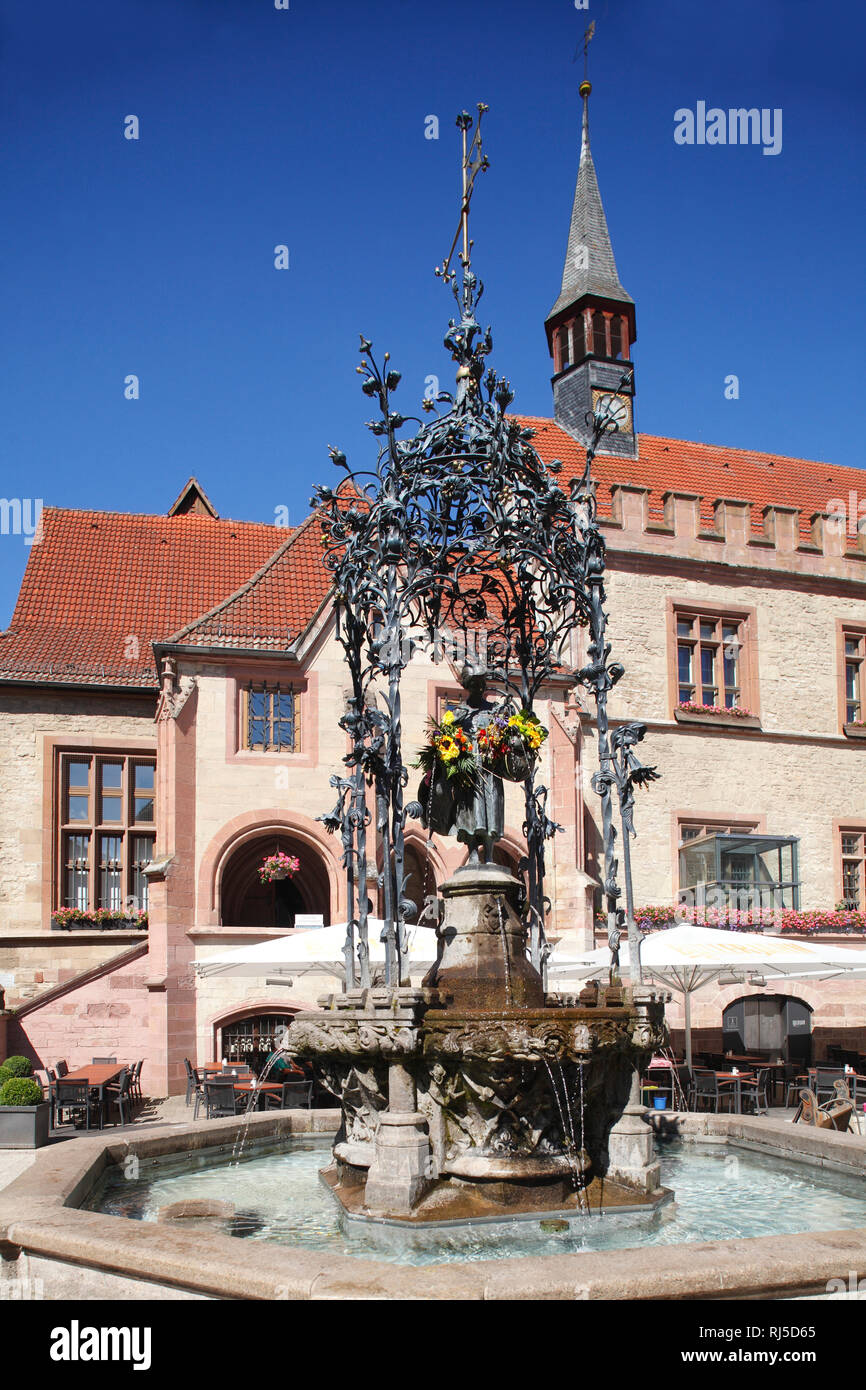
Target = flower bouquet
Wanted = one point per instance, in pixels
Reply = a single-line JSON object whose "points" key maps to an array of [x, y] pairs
{"points": [[507, 747], [278, 866], [448, 750]]}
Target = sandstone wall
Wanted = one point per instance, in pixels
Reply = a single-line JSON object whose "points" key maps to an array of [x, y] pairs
{"points": [[797, 774], [26, 719], [106, 1016]]}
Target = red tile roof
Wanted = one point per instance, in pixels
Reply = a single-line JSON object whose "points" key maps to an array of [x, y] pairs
{"points": [[678, 465], [274, 605], [100, 587]]}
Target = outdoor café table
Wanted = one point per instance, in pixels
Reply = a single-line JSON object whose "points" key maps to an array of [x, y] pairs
{"points": [[261, 1087], [97, 1076], [727, 1078]]}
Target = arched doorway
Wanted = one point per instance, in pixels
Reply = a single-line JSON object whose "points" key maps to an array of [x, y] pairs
{"points": [[776, 1025], [247, 902]]}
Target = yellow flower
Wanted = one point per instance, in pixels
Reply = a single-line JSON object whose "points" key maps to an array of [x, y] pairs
{"points": [[448, 717], [448, 750]]}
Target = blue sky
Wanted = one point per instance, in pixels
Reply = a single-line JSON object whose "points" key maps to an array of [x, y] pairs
{"points": [[305, 127]]}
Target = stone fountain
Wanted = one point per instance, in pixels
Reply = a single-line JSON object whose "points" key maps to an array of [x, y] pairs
{"points": [[478, 1093], [475, 1093]]}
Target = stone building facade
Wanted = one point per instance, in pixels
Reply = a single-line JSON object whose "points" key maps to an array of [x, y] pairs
{"points": [[170, 690]]}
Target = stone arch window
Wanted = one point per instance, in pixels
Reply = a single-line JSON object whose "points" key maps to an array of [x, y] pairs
{"points": [[247, 902], [252, 1037]]}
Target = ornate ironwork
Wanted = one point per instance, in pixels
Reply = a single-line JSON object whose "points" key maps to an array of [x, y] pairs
{"points": [[459, 536]]}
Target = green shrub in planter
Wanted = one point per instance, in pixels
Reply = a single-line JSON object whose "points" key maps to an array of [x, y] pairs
{"points": [[15, 1066], [21, 1090]]}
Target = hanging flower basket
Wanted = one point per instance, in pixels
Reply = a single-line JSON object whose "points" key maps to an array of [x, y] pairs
{"points": [[507, 747], [278, 866]]}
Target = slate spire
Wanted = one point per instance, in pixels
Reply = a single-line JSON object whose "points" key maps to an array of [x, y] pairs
{"points": [[590, 268], [591, 327]]}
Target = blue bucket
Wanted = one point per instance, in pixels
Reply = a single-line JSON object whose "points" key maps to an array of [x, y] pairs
{"points": [[660, 1102]]}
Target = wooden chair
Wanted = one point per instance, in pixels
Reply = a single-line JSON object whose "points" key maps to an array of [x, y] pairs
{"points": [[46, 1078], [135, 1080], [833, 1114]]}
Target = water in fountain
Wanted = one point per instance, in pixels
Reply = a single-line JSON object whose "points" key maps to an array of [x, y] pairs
{"points": [[509, 992], [583, 1118], [252, 1102], [678, 1096], [566, 1120]]}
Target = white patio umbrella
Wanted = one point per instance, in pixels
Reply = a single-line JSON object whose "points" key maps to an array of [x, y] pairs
{"points": [[686, 958], [318, 950]]}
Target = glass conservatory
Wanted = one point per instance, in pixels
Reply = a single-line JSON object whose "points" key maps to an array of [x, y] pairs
{"points": [[740, 871]]}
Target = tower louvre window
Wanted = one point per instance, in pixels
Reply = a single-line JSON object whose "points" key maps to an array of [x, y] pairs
{"points": [[578, 337], [599, 335], [616, 337], [564, 348]]}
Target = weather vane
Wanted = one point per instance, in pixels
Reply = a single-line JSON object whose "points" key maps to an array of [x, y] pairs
{"points": [[474, 161], [588, 36]]}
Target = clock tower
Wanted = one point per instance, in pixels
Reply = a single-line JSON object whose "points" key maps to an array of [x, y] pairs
{"points": [[591, 327]]}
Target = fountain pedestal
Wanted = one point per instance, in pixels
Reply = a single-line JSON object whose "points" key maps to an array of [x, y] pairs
{"points": [[400, 1172], [477, 1092]]}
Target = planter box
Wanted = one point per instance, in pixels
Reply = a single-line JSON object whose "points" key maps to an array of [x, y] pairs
{"points": [[24, 1126], [122, 924], [854, 731], [724, 721]]}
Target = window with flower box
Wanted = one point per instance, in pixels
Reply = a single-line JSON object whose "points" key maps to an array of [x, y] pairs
{"points": [[712, 662], [105, 832], [853, 848]]}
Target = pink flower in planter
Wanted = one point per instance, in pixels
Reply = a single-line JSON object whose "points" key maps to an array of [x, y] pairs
{"points": [[736, 711], [841, 922], [278, 866]]}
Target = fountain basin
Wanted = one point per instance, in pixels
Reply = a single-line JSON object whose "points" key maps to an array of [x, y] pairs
{"points": [[82, 1254]]}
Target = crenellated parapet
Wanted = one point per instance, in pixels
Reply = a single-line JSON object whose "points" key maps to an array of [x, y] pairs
{"points": [[739, 533]]}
